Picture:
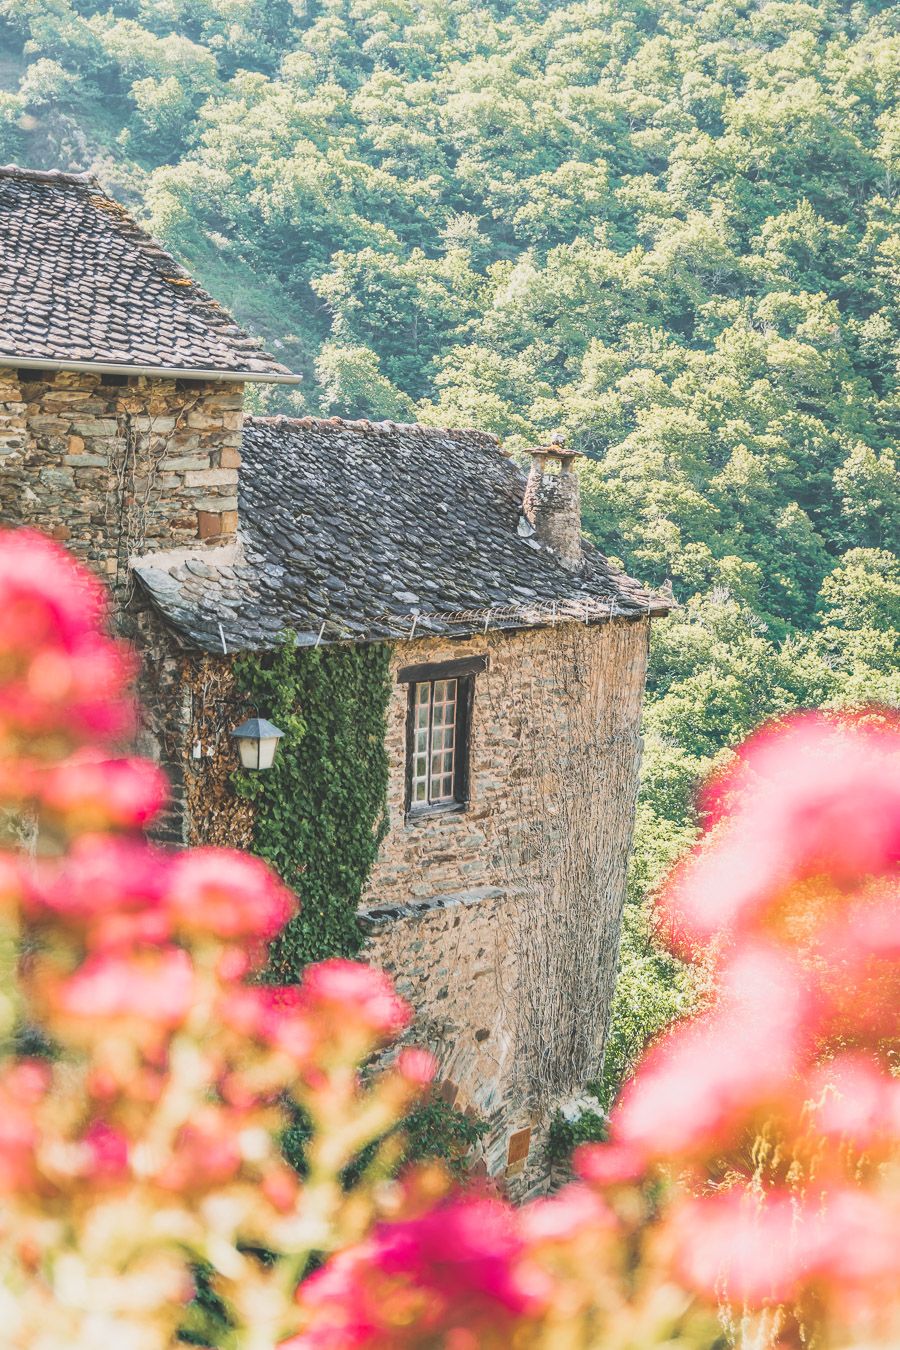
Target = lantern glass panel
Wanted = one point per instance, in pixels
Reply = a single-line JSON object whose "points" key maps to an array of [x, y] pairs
{"points": [[249, 751], [266, 747]]}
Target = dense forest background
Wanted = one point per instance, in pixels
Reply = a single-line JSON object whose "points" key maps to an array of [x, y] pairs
{"points": [[672, 229]]}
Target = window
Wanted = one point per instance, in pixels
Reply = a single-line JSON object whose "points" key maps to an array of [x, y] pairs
{"points": [[434, 749], [437, 746]]}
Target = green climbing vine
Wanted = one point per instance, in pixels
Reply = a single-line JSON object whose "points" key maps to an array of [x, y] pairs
{"points": [[432, 1129], [320, 812]]}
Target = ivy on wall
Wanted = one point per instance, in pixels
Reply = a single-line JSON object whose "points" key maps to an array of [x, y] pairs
{"points": [[319, 816], [432, 1129], [320, 812]]}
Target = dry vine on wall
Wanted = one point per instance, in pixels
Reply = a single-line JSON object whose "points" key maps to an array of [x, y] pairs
{"points": [[575, 777], [136, 457]]}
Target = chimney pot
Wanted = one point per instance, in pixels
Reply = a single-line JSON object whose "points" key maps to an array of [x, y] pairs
{"points": [[552, 502]]}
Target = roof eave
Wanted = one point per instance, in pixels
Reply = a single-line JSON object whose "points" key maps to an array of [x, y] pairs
{"points": [[226, 645], [168, 372]]}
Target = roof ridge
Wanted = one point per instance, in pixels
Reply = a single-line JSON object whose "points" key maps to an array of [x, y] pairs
{"points": [[86, 180], [365, 424]]}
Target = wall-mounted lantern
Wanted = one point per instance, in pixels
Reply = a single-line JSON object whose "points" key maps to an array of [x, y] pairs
{"points": [[257, 742]]}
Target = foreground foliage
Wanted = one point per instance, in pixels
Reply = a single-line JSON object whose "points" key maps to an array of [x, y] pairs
{"points": [[146, 1081], [144, 1137]]}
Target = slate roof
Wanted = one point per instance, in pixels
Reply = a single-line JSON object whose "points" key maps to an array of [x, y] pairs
{"points": [[368, 530], [82, 284]]}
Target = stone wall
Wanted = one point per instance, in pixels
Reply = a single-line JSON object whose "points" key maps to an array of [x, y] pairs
{"points": [[502, 923], [455, 961], [187, 705], [115, 466], [558, 670], [163, 714]]}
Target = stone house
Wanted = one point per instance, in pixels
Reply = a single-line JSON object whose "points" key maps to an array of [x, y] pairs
{"points": [[517, 652]]}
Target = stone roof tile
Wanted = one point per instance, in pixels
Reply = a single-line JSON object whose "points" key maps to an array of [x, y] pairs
{"points": [[84, 284], [366, 531]]}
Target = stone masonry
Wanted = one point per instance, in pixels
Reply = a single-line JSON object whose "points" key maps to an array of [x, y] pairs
{"points": [[468, 911], [551, 505], [456, 902], [115, 466]]}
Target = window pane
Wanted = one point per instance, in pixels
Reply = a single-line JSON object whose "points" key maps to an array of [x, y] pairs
{"points": [[443, 741]]}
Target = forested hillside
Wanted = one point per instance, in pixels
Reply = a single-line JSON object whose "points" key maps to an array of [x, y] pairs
{"points": [[672, 229]]}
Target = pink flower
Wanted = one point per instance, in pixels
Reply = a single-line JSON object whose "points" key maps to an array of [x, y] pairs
{"points": [[852, 1099], [417, 1067], [744, 1248], [858, 954], [18, 1136], [46, 594], [106, 1151], [453, 1269], [281, 1187], [766, 1249], [60, 673], [858, 1254], [205, 1153], [342, 1311], [273, 1015], [811, 796], [706, 1080], [101, 794], [112, 886], [354, 994], [608, 1164], [22, 1086], [226, 894], [573, 1210], [155, 987], [465, 1250]]}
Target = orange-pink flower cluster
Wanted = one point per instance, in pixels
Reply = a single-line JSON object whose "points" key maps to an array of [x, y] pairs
{"points": [[781, 1099], [148, 1135]]}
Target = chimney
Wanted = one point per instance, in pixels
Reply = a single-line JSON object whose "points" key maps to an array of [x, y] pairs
{"points": [[552, 504]]}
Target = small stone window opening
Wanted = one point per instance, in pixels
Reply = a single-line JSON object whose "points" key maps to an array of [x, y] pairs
{"points": [[439, 716]]}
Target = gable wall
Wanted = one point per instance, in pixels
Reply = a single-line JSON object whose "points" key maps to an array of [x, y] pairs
{"points": [[116, 469], [501, 925]]}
